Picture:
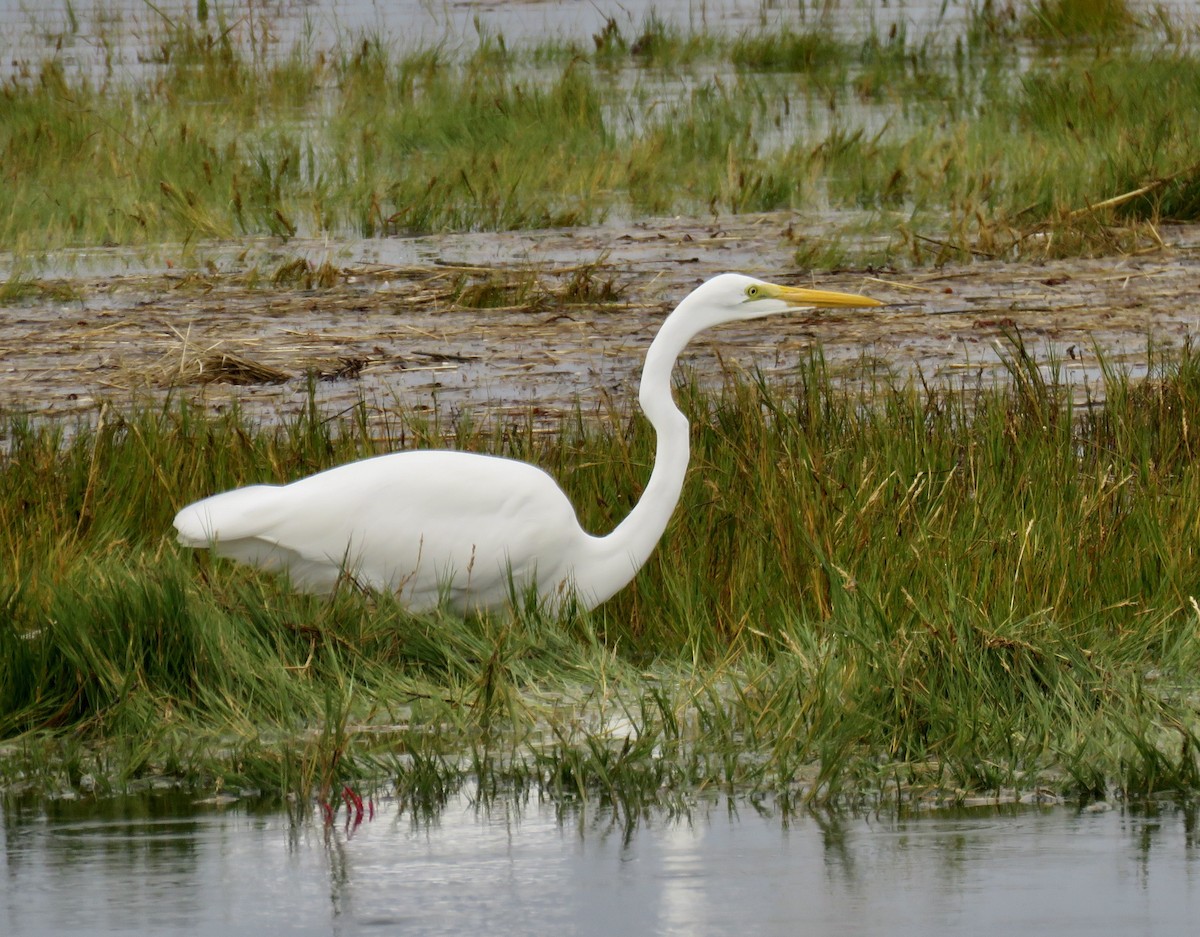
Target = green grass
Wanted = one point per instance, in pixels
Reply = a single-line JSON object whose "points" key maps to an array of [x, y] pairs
{"points": [[951, 138], [1078, 20], [960, 589]]}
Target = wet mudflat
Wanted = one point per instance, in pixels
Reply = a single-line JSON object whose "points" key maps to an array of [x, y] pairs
{"points": [[391, 326], [165, 866]]}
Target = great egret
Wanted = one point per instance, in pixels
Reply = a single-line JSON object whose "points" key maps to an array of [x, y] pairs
{"points": [[471, 530]]}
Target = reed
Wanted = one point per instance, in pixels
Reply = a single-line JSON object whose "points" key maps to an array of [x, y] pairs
{"points": [[1075, 148], [962, 589], [1078, 20]]}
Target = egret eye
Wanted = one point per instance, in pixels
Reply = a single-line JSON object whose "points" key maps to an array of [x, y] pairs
{"points": [[751, 292]]}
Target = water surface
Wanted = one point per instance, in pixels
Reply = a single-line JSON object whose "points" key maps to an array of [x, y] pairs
{"points": [[166, 866]]}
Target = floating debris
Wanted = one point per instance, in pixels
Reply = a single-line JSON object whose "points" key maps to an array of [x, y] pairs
{"points": [[227, 367]]}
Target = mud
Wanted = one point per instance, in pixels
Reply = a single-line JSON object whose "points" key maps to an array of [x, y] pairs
{"points": [[395, 329]]}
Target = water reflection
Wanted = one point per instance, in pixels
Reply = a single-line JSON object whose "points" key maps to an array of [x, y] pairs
{"points": [[162, 865]]}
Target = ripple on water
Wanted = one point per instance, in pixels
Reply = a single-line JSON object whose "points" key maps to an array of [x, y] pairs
{"points": [[162, 865]]}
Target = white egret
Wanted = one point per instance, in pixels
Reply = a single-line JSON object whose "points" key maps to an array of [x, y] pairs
{"points": [[471, 529]]}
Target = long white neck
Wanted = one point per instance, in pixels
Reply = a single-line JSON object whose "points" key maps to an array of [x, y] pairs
{"points": [[612, 561]]}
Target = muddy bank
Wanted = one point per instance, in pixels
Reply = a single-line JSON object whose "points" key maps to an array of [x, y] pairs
{"points": [[569, 315]]}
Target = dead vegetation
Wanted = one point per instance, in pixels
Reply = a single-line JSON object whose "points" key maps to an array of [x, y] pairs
{"points": [[227, 367], [503, 336]]}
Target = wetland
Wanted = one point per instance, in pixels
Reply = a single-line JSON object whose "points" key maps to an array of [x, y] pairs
{"points": [[936, 556]]}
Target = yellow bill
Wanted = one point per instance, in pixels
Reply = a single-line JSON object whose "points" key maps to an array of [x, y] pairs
{"points": [[821, 299]]}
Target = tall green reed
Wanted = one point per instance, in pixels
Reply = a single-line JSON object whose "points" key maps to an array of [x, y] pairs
{"points": [[967, 141], [948, 585]]}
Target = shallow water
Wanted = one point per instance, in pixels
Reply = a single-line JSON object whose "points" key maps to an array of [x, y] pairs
{"points": [[167, 866], [119, 36], [106, 37]]}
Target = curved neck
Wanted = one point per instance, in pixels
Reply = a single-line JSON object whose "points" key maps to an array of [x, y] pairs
{"points": [[613, 560]]}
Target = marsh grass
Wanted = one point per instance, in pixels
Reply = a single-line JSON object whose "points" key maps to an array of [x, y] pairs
{"points": [[977, 150], [592, 284], [939, 589], [24, 287], [1078, 20], [304, 274]]}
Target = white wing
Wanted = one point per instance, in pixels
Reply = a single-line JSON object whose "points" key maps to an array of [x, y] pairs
{"points": [[424, 524]]}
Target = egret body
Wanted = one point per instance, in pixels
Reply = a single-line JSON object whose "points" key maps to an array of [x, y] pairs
{"points": [[470, 530]]}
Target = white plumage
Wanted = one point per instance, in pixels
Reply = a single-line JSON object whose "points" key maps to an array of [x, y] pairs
{"points": [[427, 524]]}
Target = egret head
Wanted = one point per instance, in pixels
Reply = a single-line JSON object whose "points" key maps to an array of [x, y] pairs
{"points": [[741, 297]]}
